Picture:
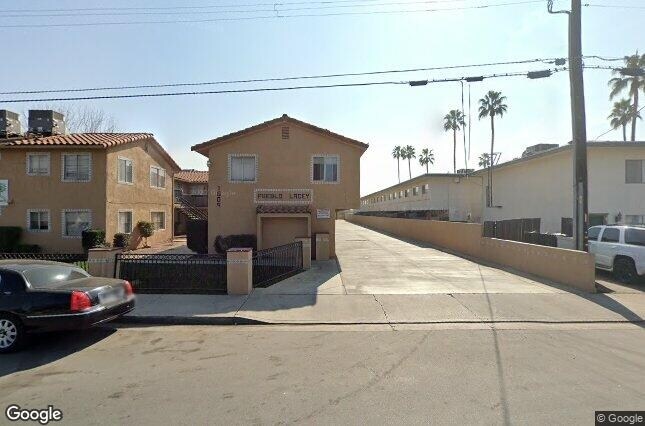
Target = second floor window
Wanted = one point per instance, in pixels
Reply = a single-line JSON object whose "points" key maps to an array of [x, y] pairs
{"points": [[325, 169], [38, 164], [157, 177], [77, 167], [634, 171], [124, 172], [242, 168]]}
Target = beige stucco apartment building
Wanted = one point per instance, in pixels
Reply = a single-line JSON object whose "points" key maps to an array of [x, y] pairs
{"points": [[59, 185], [535, 186], [279, 180]]}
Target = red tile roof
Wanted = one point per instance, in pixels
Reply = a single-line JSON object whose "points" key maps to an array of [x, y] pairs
{"points": [[201, 148], [192, 176], [96, 140]]}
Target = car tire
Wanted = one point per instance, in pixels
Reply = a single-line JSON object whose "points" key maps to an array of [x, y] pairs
{"points": [[12, 333], [625, 270]]}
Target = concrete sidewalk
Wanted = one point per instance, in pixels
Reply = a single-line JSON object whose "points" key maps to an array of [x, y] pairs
{"points": [[262, 308]]}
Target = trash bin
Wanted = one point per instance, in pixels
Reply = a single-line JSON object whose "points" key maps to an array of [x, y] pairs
{"points": [[322, 246]]}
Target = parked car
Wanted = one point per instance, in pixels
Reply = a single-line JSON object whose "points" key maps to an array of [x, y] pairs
{"points": [[46, 296], [619, 249]]}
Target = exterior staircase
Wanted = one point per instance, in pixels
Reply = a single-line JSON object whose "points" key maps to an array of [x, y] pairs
{"points": [[186, 205]]}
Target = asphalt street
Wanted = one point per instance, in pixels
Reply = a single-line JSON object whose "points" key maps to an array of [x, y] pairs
{"points": [[441, 374]]}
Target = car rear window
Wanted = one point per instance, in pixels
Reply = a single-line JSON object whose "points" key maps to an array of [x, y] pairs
{"points": [[635, 237], [44, 276], [610, 235]]}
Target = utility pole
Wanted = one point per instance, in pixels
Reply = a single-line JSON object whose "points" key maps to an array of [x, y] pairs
{"points": [[578, 121]]}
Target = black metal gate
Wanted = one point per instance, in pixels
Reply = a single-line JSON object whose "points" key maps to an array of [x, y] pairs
{"points": [[276, 263], [173, 273]]}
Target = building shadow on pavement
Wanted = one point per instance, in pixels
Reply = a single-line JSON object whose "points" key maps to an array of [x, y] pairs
{"points": [[45, 348]]}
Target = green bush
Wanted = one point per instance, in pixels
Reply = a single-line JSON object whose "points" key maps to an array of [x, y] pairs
{"points": [[146, 229], [222, 244], [121, 240], [27, 248], [9, 238], [92, 238]]}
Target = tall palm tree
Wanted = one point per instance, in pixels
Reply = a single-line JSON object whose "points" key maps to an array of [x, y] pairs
{"points": [[484, 160], [633, 84], [622, 113], [397, 153], [454, 121], [409, 153], [491, 105], [426, 157]]}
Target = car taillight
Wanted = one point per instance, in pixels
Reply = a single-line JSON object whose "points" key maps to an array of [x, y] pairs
{"points": [[128, 288], [79, 301]]}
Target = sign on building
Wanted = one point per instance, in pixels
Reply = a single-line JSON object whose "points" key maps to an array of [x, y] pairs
{"points": [[323, 214], [4, 192], [283, 196]]}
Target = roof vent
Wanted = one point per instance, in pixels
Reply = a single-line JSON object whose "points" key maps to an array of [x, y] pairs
{"points": [[285, 132], [536, 149], [46, 122], [9, 124]]}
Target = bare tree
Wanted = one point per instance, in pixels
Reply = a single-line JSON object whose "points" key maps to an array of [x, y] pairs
{"points": [[80, 118]]}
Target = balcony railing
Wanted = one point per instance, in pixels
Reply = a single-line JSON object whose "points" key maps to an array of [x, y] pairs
{"points": [[194, 200]]}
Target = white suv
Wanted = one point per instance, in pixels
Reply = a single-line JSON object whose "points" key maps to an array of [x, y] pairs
{"points": [[620, 249]]}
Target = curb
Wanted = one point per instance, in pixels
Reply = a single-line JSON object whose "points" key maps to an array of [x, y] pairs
{"points": [[168, 320]]}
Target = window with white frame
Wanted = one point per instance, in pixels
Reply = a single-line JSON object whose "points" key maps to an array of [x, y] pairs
{"points": [[76, 167], [158, 219], [634, 171], [635, 219], [38, 164], [415, 190], [157, 177], [38, 220], [75, 222], [325, 168], [125, 171], [125, 222], [242, 168]]}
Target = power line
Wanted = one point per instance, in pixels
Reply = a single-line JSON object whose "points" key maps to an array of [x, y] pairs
{"points": [[612, 129], [264, 80], [271, 89], [614, 6], [276, 16]]}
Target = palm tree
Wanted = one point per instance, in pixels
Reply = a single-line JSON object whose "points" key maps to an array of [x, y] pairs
{"points": [[484, 160], [622, 113], [490, 105], [633, 83], [409, 153], [454, 121], [397, 153], [426, 157]]}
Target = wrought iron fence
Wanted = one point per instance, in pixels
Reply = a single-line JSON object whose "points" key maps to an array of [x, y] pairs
{"points": [[78, 259], [276, 263], [173, 273]]}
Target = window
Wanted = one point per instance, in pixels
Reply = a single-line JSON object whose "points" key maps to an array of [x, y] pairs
{"points": [[158, 219], [157, 177], [611, 235], [635, 219], [11, 282], [76, 167], [400, 194], [124, 172], [38, 220], [597, 219], [415, 190], [593, 233], [125, 222], [635, 237], [424, 188], [242, 168], [325, 169], [634, 171], [38, 164], [75, 222], [407, 193], [51, 276]]}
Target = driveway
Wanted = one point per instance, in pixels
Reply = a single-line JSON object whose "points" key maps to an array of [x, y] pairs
{"points": [[375, 263]]}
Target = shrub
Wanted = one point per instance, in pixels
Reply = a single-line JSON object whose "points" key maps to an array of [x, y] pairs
{"points": [[93, 238], [222, 244], [9, 237], [146, 229], [121, 240], [27, 248]]}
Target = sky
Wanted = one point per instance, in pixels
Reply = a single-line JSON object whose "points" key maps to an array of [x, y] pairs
{"points": [[39, 57]]}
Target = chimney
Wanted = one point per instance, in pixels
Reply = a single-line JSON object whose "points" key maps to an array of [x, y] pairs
{"points": [[46, 122], [9, 124]]}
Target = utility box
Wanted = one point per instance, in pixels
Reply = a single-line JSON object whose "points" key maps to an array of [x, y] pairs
{"points": [[46, 122], [9, 124], [322, 246]]}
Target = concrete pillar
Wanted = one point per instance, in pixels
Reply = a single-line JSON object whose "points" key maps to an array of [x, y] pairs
{"points": [[100, 261], [306, 251], [322, 246], [239, 271]]}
